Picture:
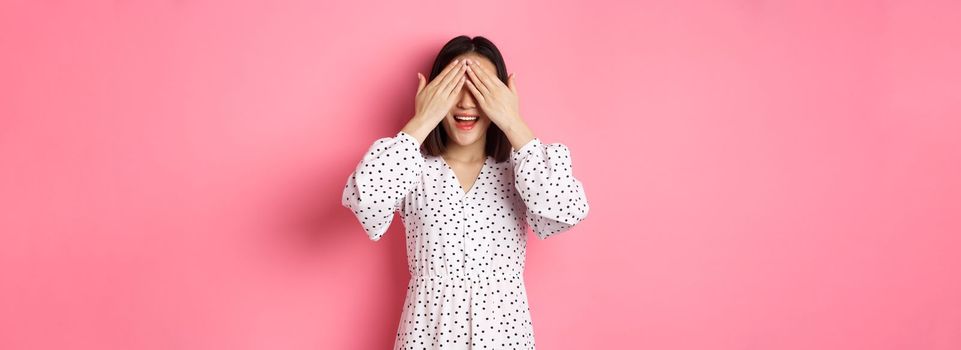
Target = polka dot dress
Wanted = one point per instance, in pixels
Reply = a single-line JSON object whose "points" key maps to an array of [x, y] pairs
{"points": [[465, 250]]}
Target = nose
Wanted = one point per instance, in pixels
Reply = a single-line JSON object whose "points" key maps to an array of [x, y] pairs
{"points": [[466, 100]]}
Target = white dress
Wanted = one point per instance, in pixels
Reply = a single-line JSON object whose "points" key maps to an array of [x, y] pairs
{"points": [[465, 250]]}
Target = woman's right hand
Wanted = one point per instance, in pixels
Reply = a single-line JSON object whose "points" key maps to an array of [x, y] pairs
{"points": [[435, 99]]}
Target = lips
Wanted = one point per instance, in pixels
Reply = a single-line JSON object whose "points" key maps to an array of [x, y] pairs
{"points": [[465, 121]]}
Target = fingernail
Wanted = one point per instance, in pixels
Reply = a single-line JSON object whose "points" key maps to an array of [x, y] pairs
{"points": [[456, 60]]}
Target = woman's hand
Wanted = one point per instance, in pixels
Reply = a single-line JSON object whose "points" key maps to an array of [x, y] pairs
{"points": [[434, 100], [499, 102]]}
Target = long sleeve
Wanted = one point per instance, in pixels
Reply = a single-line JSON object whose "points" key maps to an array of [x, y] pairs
{"points": [[389, 171], [543, 176]]}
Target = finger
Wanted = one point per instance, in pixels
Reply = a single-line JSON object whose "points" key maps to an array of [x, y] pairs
{"points": [[421, 82], [510, 83], [440, 76], [473, 90], [457, 87], [451, 78], [487, 78], [449, 89], [477, 82]]}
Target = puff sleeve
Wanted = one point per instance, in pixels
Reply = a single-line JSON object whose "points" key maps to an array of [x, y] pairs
{"points": [[543, 176], [376, 189]]}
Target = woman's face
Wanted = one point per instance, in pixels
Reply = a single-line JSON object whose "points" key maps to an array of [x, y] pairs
{"points": [[468, 132]]}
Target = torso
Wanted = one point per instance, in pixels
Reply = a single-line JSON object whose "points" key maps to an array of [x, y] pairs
{"points": [[466, 244]]}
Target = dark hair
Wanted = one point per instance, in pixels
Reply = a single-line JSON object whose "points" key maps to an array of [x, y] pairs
{"points": [[496, 144]]}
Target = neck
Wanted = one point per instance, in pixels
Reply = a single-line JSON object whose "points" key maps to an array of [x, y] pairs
{"points": [[471, 153]]}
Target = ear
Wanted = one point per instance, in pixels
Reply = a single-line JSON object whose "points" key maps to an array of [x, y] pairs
{"points": [[510, 83]]}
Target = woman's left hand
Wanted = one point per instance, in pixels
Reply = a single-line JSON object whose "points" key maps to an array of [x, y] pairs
{"points": [[497, 100]]}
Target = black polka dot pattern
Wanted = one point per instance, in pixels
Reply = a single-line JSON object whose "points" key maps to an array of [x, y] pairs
{"points": [[465, 250], [554, 198]]}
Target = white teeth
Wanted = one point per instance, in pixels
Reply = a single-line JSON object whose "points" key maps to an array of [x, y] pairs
{"points": [[464, 118]]}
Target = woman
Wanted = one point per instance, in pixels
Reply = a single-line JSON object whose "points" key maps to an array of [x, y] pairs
{"points": [[468, 178]]}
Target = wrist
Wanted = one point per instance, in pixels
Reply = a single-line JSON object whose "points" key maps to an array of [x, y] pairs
{"points": [[419, 127], [518, 133]]}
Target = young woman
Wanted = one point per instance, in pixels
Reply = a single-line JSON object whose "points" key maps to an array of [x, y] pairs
{"points": [[468, 178]]}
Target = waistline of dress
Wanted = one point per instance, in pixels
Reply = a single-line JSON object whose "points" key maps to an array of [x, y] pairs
{"points": [[472, 278]]}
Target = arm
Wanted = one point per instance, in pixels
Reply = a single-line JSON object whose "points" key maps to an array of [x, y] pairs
{"points": [[389, 171], [543, 176], [392, 167]]}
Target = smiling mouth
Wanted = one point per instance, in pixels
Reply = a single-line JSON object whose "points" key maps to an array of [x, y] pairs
{"points": [[466, 118], [465, 122]]}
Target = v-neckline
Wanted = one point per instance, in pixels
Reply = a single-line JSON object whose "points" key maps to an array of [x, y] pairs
{"points": [[457, 180]]}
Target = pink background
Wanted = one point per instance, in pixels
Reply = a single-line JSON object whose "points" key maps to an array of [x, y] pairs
{"points": [[762, 174]]}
